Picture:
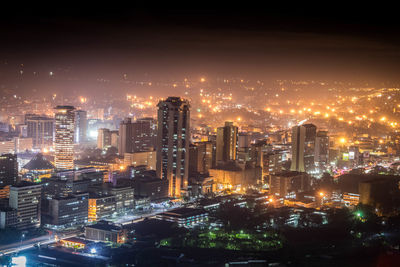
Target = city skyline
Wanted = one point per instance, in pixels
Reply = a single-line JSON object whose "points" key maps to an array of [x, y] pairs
{"points": [[215, 136]]}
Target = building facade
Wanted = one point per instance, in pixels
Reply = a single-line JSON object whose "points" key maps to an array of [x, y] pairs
{"points": [[321, 150], [201, 157], [103, 138], [40, 129], [173, 144], [8, 169], [25, 198], [80, 126], [136, 136], [69, 210], [303, 148], [64, 137], [227, 142]]}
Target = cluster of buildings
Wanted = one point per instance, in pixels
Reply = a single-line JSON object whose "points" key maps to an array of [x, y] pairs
{"points": [[156, 160]]}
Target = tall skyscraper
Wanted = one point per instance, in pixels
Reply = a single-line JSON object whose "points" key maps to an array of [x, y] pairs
{"points": [[136, 136], [303, 148], [173, 144], [227, 142], [80, 126], [40, 129], [64, 137], [8, 169], [321, 149]]}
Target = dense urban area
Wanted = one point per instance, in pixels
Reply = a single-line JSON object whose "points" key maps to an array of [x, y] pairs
{"points": [[228, 171], [246, 134]]}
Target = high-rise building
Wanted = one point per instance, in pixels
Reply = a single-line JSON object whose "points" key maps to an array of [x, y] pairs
{"points": [[303, 148], [173, 144], [321, 149], [25, 198], [136, 136], [103, 138], [227, 142], [8, 169], [80, 126], [200, 157], [40, 129], [64, 137]]}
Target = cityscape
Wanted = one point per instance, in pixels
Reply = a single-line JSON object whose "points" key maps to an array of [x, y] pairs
{"points": [[145, 137]]}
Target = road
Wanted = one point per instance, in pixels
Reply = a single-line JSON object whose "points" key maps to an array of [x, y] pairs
{"points": [[49, 239], [27, 244]]}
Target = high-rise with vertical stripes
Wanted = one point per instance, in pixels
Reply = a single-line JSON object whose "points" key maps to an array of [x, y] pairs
{"points": [[173, 144], [64, 137]]}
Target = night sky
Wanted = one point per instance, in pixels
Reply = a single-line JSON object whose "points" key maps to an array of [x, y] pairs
{"points": [[352, 43]]}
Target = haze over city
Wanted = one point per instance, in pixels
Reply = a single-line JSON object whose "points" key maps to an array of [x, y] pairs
{"points": [[200, 137]]}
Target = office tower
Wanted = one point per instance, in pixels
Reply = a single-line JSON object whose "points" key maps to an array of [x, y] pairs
{"points": [[80, 126], [8, 169], [321, 149], [173, 144], [303, 148], [103, 138], [40, 129], [309, 147], [25, 198], [64, 137], [200, 158], [227, 142], [136, 136]]}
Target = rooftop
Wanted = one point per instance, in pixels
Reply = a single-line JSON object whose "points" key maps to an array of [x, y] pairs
{"points": [[105, 226], [38, 162], [183, 212]]}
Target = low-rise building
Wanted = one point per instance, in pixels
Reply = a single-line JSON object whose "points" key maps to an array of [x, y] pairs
{"points": [[104, 231], [184, 217], [351, 199], [101, 207], [151, 187]]}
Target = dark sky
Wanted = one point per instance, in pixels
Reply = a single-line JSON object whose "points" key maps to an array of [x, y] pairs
{"points": [[301, 42]]}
